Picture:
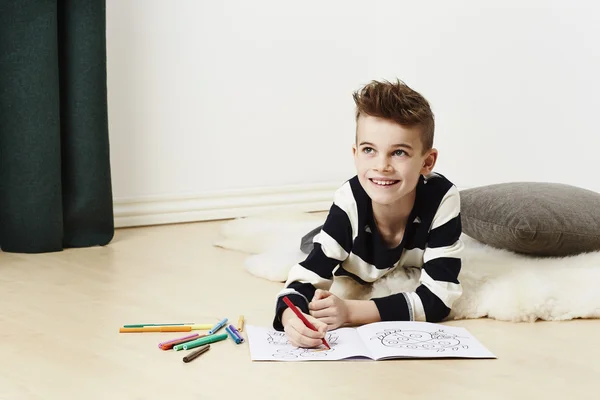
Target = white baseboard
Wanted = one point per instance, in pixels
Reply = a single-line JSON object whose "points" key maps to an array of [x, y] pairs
{"points": [[222, 205]]}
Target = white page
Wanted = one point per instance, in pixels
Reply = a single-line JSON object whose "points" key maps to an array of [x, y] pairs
{"points": [[267, 344], [420, 340]]}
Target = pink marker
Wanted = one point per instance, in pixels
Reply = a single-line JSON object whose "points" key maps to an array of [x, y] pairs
{"points": [[169, 344]]}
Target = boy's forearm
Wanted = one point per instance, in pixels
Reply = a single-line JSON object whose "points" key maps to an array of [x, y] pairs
{"points": [[362, 312]]}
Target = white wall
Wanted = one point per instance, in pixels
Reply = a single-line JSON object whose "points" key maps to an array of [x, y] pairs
{"points": [[210, 96]]}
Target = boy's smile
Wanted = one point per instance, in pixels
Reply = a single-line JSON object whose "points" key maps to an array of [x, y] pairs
{"points": [[384, 182]]}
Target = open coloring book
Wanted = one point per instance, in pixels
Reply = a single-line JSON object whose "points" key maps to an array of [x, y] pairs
{"points": [[377, 341]]}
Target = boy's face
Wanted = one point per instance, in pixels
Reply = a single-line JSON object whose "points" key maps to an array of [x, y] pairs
{"points": [[389, 159]]}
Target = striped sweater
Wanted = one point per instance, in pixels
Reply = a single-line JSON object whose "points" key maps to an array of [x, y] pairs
{"points": [[350, 245]]}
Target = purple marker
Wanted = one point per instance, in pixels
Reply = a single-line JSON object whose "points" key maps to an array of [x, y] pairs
{"points": [[236, 333]]}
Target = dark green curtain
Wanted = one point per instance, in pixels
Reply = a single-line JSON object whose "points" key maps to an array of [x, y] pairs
{"points": [[55, 183]]}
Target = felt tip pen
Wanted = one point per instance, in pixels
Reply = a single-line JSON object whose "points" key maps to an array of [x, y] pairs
{"points": [[202, 341], [143, 325], [175, 328], [201, 327], [237, 333], [232, 335], [169, 344], [193, 355], [218, 326], [240, 326]]}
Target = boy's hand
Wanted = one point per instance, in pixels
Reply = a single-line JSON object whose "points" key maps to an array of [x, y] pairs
{"points": [[329, 308], [299, 334]]}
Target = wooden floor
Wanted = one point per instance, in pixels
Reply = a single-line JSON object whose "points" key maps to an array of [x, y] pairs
{"points": [[60, 314]]}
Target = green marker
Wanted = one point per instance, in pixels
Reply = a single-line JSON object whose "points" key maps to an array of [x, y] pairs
{"points": [[200, 342]]}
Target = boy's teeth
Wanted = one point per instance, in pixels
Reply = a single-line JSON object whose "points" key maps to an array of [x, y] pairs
{"points": [[383, 182]]}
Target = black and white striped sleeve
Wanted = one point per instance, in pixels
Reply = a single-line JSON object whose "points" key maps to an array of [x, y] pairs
{"points": [[439, 286], [332, 246]]}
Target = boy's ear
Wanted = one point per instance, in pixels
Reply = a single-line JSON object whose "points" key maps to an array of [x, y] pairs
{"points": [[429, 161], [354, 149]]}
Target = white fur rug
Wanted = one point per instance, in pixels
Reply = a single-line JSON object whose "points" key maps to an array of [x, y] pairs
{"points": [[496, 283]]}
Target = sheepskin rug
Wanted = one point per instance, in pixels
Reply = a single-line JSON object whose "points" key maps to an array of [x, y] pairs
{"points": [[496, 283]]}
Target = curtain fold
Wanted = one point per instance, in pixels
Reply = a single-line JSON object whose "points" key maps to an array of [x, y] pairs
{"points": [[55, 180]]}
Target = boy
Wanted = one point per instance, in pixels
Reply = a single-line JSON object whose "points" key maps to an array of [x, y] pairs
{"points": [[394, 213]]}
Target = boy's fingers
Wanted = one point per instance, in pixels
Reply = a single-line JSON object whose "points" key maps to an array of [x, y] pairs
{"points": [[320, 304], [300, 335], [326, 321], [304, 330], [329, 321], [321, 294], [326, 312], [321, 326], [308, 342], [299, 340], [296, 338]]}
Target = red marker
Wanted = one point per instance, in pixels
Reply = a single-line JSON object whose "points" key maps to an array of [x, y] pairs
{"points": [[303, 318]]}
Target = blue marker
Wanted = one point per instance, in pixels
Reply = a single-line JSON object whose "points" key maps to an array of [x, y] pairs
{"points": [[217, 326], [232, 335]]}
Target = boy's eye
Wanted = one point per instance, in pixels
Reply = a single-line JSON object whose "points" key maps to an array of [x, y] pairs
{"points": [[399, 152], [367, 150]]}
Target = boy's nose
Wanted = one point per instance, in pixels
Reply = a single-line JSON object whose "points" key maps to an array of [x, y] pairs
{"points": [[383, 164]]}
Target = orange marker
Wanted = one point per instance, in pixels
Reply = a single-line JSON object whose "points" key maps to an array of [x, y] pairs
{"points": [[156, 329]]}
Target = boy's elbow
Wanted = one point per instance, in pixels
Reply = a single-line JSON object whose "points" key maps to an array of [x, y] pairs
{"points": [[441, 310], [438, 315], [438, 304]]}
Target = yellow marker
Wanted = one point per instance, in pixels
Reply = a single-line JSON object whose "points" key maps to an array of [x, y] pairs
{"points": [[179, 328], [201, 327], [240, 326]]}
